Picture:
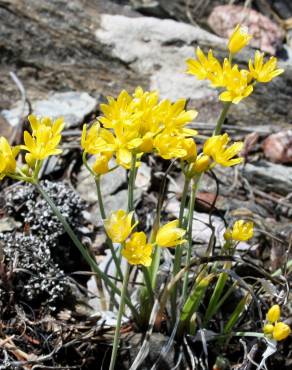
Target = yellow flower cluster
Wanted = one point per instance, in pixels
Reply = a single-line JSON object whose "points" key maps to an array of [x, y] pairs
{"points": [[136, 250], [241, 231], [274, 328], [238, 83], [44, 139], [139, 124], [42, 142]]}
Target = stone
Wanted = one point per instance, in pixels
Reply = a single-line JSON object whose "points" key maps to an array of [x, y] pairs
{"points": [[109, 182], [73, 106], [278, 147], [158, 48], [201, 229], [267, 35], [143, 177], [269, 176]]}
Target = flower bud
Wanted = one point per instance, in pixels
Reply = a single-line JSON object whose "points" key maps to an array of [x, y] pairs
{"points": [[191, 149], [170, 235], [238, 39], [100, 165], [202, 163], [274, 313], [228, 235], [268, 329]]}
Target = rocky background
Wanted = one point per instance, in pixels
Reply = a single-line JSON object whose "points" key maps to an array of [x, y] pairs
{"points": [[62, 58]]}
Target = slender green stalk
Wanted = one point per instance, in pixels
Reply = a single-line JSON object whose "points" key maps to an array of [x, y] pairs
{"points": [[221, 118], [235, 314], [148, 284], [153, 269], [99, 197], [178, 249], [216, 295], [82, 249], [226, 295], [193, 302], [190, 231], [108, 241], [131, 185], [119, 319], [38, 166]]}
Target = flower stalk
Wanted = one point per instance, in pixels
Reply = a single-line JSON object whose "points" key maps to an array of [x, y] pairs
{"points": [[194, 190], [119, 319], [81, 248]]}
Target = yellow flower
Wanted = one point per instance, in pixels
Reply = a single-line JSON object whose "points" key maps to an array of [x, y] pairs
{"points": [[119, 225], [91, 141], [56, 126], [236, 83], [264, 72], [45, 137], [216, 147], [100, 165], [190, 147], [169, 147], [242, 231], [7, 158], [119, 111], [147, 143], [170, 235], [203, 67], [274, 313], [202, 164], [150, 112], [281, 331], [238, 39], [268, 329], [123, 142], [137, 251], [175, 117]]}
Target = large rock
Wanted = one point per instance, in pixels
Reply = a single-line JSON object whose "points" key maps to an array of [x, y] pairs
{"points": [[159, 48]]}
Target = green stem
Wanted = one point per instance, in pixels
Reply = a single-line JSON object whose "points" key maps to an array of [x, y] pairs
{"points": [[108, 240], [38, 166], [221, 118], [99, 197], [132, 183], [178, 249], [148, 284], [81, 248], [119, 319], [190, 231], [216, 295], [153, 269]]}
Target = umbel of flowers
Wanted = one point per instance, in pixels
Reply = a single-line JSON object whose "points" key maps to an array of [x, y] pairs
{"points": [[135, 124]]}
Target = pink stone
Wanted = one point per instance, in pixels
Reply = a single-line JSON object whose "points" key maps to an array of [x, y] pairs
{"points": [[278, 147], [267, 35]]}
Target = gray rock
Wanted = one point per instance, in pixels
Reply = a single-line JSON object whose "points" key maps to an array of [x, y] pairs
{"points": [[159, 48], [73, 106], [270, 176], [110, 183]]}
